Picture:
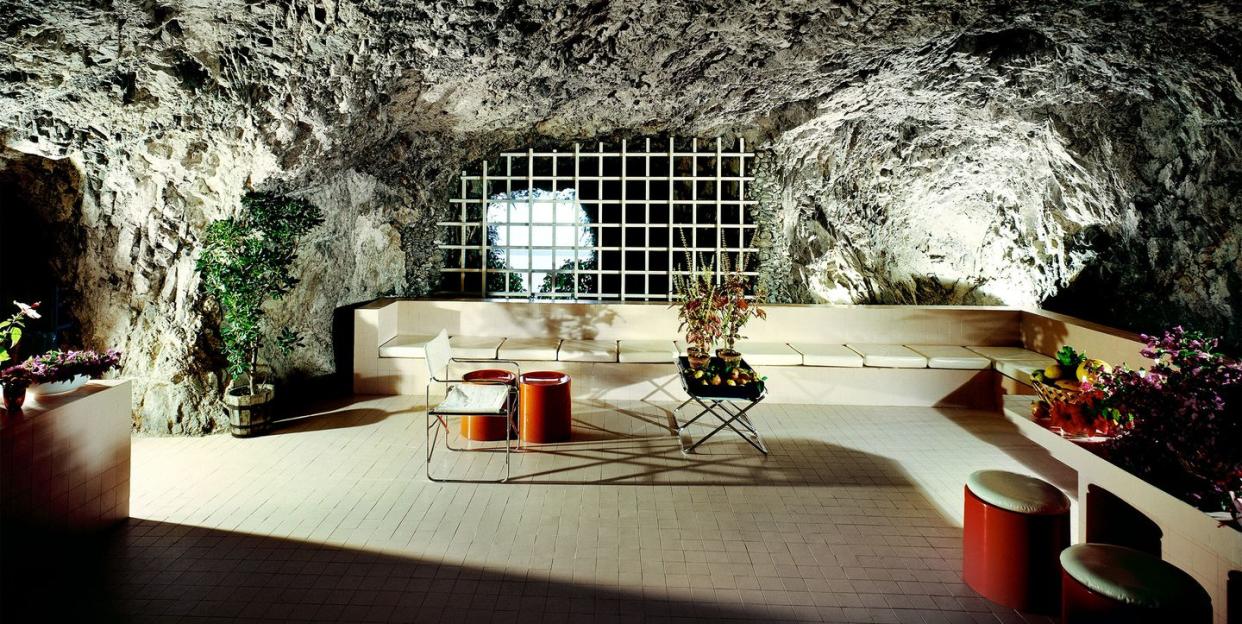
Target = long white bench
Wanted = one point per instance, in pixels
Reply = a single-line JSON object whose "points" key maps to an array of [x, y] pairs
{"points": [[885, 355]]}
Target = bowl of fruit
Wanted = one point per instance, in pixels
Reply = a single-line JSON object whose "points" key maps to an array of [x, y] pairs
{"points": [[1062, 381], [723, 379]]}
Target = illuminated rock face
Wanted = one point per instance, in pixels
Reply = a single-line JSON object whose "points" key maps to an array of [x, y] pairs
{"points": [[1082, 155]]}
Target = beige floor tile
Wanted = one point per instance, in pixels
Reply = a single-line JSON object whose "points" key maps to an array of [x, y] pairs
{"points": [[854, 516]]}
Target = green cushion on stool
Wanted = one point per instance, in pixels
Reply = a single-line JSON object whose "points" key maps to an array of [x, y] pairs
{"points": [[1017, 493], [1131, 577]]}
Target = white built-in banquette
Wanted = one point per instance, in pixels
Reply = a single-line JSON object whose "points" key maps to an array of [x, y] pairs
{"points": [[821, 354]]}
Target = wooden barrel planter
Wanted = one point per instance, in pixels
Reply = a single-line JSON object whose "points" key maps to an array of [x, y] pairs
{"points": [[249, 414]]}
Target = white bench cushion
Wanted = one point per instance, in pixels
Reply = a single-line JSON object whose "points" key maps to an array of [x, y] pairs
{"points": [[647, 351], [411, 346], [533, 349], [1015, 362], [1021, 370], [405, 346], [889, 356], [769, 354], [839, 356], [1008, 353], [952, 356], [477, 347], [588, 351]]}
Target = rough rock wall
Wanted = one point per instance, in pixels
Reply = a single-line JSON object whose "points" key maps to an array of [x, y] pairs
{"points": [[1003, 148], [172, 111], [1083, 161]]}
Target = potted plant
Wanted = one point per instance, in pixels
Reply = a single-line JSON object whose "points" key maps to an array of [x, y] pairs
{"points": [[735, 310], [245, 262], [700, 318], [59, 372], [14, 382]]}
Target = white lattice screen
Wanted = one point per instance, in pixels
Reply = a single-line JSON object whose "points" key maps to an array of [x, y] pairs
{"points": [[607, 223]]}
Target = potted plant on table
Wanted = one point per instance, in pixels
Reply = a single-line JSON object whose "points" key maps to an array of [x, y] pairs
{"points": [[736, 309], [245, 262], [700, 319]]}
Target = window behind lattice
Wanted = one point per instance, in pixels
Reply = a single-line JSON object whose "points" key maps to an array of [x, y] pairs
{"points": [[615, 222]]}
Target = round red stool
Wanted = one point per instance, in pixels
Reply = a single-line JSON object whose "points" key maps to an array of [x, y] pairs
{"points": [[545, 412], [1014, 530], [1106, 584], [485, 428]]}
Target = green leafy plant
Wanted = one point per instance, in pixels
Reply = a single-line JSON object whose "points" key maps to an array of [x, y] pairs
{"points": [[562, 279], [11, 328], [245, 262], [1069, 358]]}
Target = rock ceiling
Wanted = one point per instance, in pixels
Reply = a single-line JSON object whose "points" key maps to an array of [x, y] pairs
{"points": [[1081, 154]]}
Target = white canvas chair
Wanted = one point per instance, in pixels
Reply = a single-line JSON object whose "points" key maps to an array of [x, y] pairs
{"points": [[483, 397]]}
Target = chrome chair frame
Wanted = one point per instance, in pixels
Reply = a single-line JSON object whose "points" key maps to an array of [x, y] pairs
{"points": [[436, 419]]}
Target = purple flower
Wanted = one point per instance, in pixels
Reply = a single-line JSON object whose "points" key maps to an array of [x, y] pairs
{"points": [[65, 365], [1186, 436]]}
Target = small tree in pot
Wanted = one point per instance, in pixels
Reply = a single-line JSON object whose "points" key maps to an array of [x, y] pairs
{"points": [[736, 309], [245, 262], [699, 318], [693, 296]]}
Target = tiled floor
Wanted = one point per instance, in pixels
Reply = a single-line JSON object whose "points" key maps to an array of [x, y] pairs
{"points": [[855, 517]]}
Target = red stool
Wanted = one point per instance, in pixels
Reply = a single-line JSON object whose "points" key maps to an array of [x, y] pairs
{"points": [[1014, 530], [485, 428], [545, 411], [1106, 584]]}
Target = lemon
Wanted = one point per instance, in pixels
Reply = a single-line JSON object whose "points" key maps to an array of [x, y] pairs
{"points": [[1089, 370], [1052, 372]]}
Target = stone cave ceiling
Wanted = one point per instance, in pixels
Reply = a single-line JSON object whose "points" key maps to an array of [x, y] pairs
{"points": [[1080, 154]]}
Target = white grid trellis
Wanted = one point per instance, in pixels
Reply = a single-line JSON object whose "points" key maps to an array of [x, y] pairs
{"points": [[604, 224]]}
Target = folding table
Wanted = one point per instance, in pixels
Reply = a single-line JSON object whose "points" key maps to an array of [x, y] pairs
{"points": [[728, 404]]}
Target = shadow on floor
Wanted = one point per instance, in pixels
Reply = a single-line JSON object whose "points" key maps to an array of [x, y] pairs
{"points": [[994, 429], [146, 571], [620, 446], [864, 529], [337, 419], [325, 414]]}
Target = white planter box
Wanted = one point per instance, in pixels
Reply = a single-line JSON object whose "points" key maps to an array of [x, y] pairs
{"points": [[65, 459], [1193, 541]]}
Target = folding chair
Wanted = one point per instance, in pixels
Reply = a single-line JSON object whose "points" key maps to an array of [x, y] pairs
{"points": [[477, 397]]}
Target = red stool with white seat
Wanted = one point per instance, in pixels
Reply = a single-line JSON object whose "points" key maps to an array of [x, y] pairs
{"points": [[1106, 584], [1014, 530]]}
